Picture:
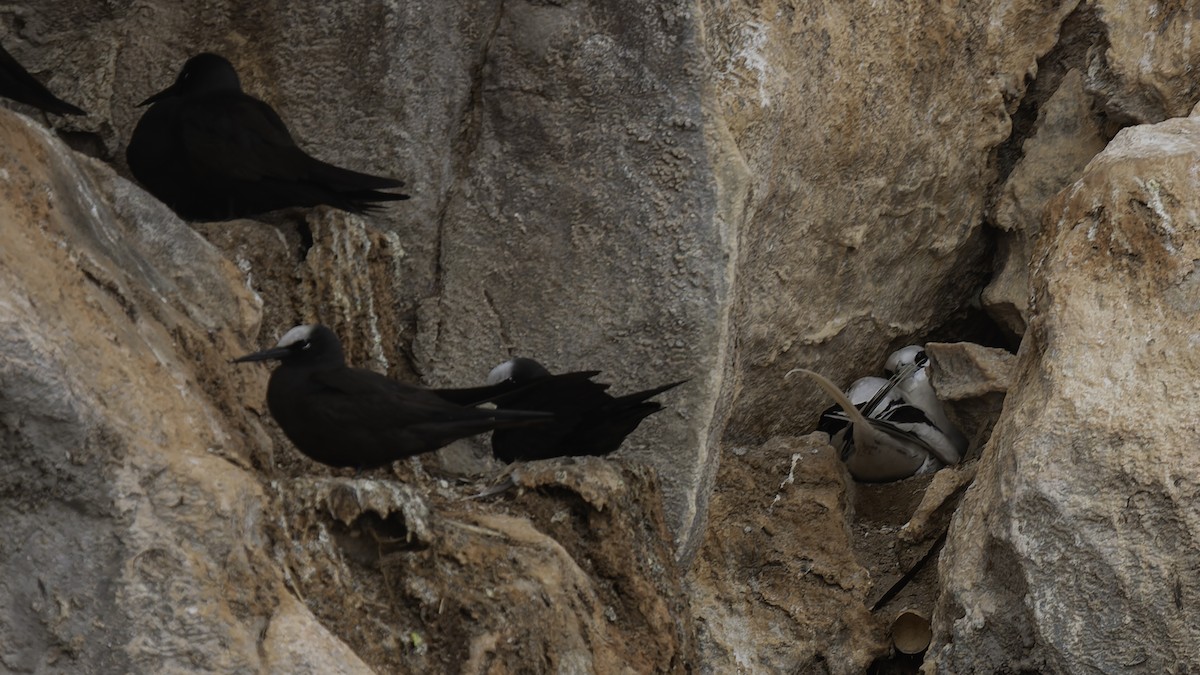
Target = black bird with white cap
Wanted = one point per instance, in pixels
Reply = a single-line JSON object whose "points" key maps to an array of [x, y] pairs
{"points": [[587, 419], [351, 417], [17, 84], [212, 152]]}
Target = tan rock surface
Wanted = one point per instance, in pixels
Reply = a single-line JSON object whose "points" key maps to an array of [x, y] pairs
{"points": [[971, 381], [134, 540], [1066, 138], [155, 526], [869, 132], [1072, 551], [567, 573], [777, 584], [1144, 68]]}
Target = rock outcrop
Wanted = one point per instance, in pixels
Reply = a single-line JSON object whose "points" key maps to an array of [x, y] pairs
{"points": [[719, 191], [1074, 550], [155, 525]]}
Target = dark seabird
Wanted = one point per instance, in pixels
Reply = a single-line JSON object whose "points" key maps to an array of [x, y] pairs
{"points": [[17, 84], [212, 152], [350, 417], [896, 442], [587, 419]]}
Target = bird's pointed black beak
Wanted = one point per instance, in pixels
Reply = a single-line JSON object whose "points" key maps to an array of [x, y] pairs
{"points": [[165, 93], [273, 353]]}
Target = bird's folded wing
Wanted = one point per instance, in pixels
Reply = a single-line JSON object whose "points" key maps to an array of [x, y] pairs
{"points": [[391, 402], [638, 397], [240, 137], [568, 391], [913, 427]]}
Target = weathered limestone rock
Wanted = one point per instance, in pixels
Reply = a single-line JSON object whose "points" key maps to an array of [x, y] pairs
{"points": [[563, 204], [971, 381], [776, 582], [140, 537], [1074, 551], [869, 132], [292, 646], [1143, 70], [588, 178], [567, 573], [1066, 139], [582, 227], [134, 533]]}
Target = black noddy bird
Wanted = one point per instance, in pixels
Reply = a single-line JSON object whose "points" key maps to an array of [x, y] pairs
{"points": [[17, 84], [212, 152], [587, 419], [351, 417]]}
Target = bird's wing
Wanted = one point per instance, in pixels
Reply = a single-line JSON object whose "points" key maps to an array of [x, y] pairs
{"points": [[832, 420], [565, 393], [401, 403], [238, 136], [914, 422], [638, 397], [902, 373], [243, 138], [398, 404], [910, 425]]}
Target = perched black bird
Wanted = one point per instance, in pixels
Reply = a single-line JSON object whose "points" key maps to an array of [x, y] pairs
{"points": [[17, 84], [587, 419], [212, 152], [352, 417]]}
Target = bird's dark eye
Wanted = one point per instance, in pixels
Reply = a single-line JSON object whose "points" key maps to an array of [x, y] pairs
{"points": [[922, 358]]}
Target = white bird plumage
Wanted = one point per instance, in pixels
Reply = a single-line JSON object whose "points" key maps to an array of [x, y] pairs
{"points": [[917, 390], [896, 441], [894, 428]]}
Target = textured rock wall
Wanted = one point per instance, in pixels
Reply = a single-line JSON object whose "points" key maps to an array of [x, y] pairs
{"points": [[714, 190], [551, 217], [155, 525], [870, 133], [134, 537], [777, 584], [1075, 550]]}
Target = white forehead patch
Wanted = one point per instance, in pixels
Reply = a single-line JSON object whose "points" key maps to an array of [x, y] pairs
{"points": [[500, 373], [297, 334]]}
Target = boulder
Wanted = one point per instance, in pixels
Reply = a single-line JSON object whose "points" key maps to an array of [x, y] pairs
{"points": [[1072, 551]]}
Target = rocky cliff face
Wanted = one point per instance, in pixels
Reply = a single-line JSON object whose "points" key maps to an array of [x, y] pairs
{"points": [[719, 191]]}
